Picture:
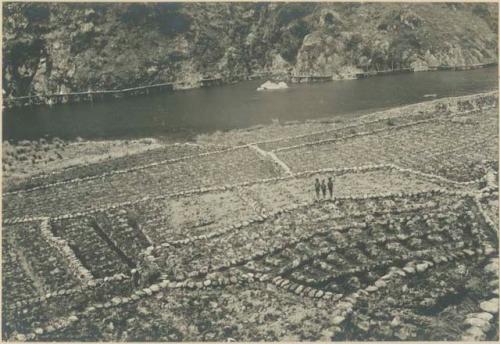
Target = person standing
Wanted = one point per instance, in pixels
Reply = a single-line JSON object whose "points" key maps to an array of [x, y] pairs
{"points": [[330, 186], [317, 186], [323, 188]]}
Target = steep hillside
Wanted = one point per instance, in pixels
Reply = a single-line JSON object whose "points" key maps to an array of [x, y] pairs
{"points": [[63, 47]]}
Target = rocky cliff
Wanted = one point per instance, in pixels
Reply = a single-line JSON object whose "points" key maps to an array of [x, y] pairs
{"points": [[66, 47]]}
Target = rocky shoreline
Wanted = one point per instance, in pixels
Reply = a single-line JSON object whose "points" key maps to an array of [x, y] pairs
{"points": [[104, 95], [303, 42]]}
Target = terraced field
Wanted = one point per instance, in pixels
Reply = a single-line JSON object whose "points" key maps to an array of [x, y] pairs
{"points": [[218, 243]]}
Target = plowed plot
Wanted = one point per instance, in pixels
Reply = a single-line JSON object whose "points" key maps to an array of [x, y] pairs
{"points": [[290, 228], [91, 248], [44, 263], [17, 282], [328, 134], [406, 263], [122, 163], [193, 215], [427, 306], [231, 167], [198, 215], [446, 147], [273, 196]]}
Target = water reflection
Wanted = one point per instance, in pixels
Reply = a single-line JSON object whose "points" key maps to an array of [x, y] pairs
{"points": [[238, 106]]}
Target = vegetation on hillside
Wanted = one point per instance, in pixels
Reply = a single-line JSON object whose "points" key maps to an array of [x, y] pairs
{"points": [[56, 47]]}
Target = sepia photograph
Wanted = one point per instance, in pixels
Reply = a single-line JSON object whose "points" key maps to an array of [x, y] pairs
{"points": [[250, 171]]}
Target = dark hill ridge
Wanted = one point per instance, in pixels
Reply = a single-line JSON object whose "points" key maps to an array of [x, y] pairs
{"points": [[67, 47]]}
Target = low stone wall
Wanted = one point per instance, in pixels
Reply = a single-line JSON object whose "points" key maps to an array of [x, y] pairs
{"points": [[454, 105], [305, 174]]}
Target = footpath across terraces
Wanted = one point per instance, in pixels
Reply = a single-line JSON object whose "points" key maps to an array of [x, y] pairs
{"points": [[228, 235]]}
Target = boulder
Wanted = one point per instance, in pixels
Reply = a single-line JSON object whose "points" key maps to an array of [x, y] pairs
{"points": [[21, 337], [492, 267], [319, 293], [395, 322], [475, 333], [490, 306], [483, 316], [476, 322], [338, 320], [269, 85], [409, 269], [116, 300], [421, 267]]}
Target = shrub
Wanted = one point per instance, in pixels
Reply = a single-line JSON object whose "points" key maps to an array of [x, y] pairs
{"points": [[21, 150], [135, 14], [170, 20], [22, 157], [82, 41], [37, 13], [300, 29], [391, 122], [289, 12], [133, 219], [354, 41]]}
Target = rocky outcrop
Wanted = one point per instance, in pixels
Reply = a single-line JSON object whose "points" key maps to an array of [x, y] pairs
{"points": [[53, 48], [269, 85]]}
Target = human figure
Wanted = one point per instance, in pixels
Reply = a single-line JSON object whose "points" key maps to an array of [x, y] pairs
{"points": [[135, 277], [317, 186], [323, 188], [330, 186]]}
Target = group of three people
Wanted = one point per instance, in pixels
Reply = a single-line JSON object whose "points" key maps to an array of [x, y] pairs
{"points": [[322, 187]]}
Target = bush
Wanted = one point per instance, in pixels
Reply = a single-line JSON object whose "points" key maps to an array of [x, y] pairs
{"points": [[391, 122], [170, 20], [175, 23], [289, 12], [135, 14], [300, 29], [133, 219], [21, 150], [354, 41], [82, 41], [37, 13]]}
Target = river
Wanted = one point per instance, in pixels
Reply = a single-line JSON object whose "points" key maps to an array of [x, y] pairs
{"points": [[186, 113]]}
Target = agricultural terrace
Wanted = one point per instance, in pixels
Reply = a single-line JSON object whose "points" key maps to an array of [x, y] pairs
{"points": [[230, 242]]}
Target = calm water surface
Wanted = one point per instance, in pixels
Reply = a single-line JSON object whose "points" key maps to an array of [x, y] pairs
{"points": [[237, 106]]}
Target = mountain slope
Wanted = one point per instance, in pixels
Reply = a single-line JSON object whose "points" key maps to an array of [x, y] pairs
{"points": [[63, 47]]}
